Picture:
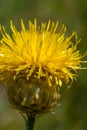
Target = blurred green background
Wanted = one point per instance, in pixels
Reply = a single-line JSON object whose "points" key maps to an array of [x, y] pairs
{"points": [[71, 112]]}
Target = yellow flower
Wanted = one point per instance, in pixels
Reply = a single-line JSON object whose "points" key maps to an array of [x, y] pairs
{"points": [[40, 50], [37, 55]]}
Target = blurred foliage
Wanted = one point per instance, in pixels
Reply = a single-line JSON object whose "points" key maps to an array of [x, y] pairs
{"points": [[71, 114]]}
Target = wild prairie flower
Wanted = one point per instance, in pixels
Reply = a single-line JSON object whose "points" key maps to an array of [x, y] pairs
{"points": [[34, 62]]}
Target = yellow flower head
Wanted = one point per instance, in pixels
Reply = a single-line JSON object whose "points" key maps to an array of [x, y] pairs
{"points": [[38, 54], [39, 50]]}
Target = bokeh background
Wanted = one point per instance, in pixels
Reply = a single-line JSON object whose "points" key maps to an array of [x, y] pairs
{"points": [[71, 112]]}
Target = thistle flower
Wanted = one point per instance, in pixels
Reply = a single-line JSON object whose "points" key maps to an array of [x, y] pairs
{"points": [[34, 62]]}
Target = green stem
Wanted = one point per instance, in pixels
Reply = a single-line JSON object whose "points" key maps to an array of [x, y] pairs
{"points": [[30, 122]]}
